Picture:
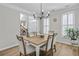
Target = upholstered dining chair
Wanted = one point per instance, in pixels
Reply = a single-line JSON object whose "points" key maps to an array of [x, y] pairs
{"points": [[50, 45], [24, 48], [54, 41]]}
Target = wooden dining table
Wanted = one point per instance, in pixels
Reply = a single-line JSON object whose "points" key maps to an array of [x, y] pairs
{"points": [[37, 42]]}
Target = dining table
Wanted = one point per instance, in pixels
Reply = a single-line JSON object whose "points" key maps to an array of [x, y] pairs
{"points": [[36, 41]]}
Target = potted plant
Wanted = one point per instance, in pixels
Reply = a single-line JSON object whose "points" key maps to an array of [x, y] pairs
{"points": [[73, 34]]}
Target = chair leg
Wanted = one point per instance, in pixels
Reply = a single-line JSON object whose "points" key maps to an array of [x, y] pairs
{"points": [[55, 47], [52, 52], [20, 54]]}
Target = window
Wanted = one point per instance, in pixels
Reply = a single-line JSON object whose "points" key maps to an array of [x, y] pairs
{"points": [[32, 25], [46, 26], [23, 19], [68, 21]]}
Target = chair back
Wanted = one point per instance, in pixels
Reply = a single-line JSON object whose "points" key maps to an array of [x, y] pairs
{"points": [[50, 42], [21, 45], [53, 37]]}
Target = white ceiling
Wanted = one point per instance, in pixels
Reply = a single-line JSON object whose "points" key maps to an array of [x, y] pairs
{"points": [[35, 7]]}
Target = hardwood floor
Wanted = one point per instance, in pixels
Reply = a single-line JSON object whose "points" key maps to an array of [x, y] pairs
{"points": [[62, 50], [66, 50], [10, 52]]}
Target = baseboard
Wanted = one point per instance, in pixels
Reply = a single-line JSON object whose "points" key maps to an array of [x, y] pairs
{"points": [[67, 43], [14, 45]]}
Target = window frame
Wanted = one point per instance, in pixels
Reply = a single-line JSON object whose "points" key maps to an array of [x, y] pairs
{"points": [[67, 13], [46, 26]]}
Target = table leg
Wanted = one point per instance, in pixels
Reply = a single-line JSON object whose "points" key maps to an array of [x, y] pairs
{"points": [[37, 51]]}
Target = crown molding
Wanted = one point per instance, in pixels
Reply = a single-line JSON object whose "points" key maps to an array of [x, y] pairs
{"points": [[16, 8], [75, 7]]}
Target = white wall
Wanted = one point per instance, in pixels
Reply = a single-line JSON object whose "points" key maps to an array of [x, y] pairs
{"points": [[9, 26], [57, 26]]}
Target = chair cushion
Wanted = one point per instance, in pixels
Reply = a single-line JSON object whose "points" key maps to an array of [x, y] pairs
{"points": [[29, 48]]}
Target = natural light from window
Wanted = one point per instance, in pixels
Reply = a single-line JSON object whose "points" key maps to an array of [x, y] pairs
{"points": [[67, 21], [46, 26]]}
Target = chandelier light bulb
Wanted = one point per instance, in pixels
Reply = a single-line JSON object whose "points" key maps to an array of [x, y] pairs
{"points": [[42, 10]]}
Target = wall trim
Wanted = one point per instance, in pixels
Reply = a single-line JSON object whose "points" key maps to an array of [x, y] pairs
{"points": [[8, 47], [17, 8], [68, 43]]}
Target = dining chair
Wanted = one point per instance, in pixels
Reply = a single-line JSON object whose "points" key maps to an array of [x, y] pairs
{"points": [[54, 41], [50, 45], [24, 48]]}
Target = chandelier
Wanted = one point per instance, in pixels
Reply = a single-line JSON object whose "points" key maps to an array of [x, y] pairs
{"points": [[41, 14]]}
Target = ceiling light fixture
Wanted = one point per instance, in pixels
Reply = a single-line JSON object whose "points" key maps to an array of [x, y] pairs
{"points": [[41, 14]]}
